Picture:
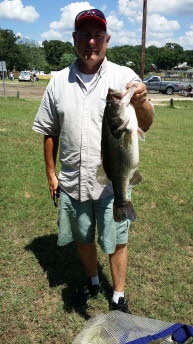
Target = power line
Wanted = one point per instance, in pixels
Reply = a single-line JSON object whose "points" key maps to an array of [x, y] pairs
{"points": [[143, 38], [123, 10]]}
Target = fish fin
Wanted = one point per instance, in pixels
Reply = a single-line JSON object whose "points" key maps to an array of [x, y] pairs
{"points": [[119, 131], [141, 134], [101, 175], [136, 179], [124, 213], [129, 94]]}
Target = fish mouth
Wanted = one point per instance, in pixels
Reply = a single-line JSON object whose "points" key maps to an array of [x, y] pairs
{"points": [[116, 96]]}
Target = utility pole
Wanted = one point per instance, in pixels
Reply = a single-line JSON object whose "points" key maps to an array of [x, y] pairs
{"points": [[143, 39]]}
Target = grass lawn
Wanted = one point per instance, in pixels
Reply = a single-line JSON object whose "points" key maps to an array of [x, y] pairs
{"points": [[37, 276]]}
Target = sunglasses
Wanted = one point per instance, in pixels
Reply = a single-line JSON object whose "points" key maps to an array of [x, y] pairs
{"points": [[93, 12]]}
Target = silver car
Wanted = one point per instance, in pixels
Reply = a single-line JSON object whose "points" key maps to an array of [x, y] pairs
{"points": [[25, 76]]}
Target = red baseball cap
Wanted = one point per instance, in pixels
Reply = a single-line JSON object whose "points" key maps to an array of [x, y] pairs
{"points": [[90, 14]]}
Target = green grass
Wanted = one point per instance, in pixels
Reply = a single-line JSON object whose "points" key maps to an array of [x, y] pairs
{"points": [[37, 276]]}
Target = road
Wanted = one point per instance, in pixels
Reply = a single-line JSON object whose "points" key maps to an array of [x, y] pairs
{"points": [[34, 90]]}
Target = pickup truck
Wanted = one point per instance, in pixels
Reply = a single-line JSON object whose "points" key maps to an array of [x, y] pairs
{"points": [[154, 83]]}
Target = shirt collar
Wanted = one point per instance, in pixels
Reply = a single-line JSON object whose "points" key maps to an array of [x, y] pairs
{"points": [[100, 71]]}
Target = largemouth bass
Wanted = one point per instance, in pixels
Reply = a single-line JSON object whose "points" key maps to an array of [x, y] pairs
{"points": [[120, 150]]}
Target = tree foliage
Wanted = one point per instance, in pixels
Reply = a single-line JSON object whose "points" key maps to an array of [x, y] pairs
{"points": [[21, 54], [55, 54], [66, 60], [166, 58], [33, 56], [54, 50], [9, 51], [188, 57], [175, 47], [125, 55]]}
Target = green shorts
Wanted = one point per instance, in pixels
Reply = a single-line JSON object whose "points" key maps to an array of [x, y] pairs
{"points": [[78, 222]]}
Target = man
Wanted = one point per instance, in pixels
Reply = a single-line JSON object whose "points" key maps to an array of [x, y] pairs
{"points": [[71, 112]]}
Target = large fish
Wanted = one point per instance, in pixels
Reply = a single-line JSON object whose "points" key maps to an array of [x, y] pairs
{"points": [[120, 150]]}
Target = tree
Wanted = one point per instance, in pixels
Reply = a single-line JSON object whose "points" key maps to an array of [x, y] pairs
{"points": [[177, 49], [126, 55], [66, 60], [33, 56], [152, 51], [55, 49], [55, 55], [69, 48], [188, 57], [166, 58], [149, 62], [9, 50]]}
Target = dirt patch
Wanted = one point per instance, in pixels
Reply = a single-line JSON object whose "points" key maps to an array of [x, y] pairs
{"points": [[34, 90], [23, 90]]}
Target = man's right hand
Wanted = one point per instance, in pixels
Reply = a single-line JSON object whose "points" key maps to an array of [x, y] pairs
{"points": [[53, 184], [50, 153]]}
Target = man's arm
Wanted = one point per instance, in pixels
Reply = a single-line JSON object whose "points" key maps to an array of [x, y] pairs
{"points": [[145, 113], [143, 108], [50, 154]]}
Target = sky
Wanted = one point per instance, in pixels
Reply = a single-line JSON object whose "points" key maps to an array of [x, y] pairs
{"points": [[39, 20]]}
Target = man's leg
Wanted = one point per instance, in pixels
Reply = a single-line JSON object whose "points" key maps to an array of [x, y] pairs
{"points": [[88, 257], [118, 263]]}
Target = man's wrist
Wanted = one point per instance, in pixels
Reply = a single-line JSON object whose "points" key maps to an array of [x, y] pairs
{"points": [[51, 174], [141, 103], [145, 114]]}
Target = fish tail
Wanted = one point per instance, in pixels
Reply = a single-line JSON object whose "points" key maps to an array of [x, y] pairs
{"points": [[121, 213]]}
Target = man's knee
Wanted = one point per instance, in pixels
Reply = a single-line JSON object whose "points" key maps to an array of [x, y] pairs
{"points": [[120, 246], [85, 245], [119, 249]]}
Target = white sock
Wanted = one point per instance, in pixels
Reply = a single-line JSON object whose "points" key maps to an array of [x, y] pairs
{"points": [[95, 280], [117, 295]]}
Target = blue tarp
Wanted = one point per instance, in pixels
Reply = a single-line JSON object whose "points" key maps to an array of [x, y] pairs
{"points": [[180, 333]]}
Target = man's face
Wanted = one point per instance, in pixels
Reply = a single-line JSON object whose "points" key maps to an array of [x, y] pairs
{"points": [[91, 42]]}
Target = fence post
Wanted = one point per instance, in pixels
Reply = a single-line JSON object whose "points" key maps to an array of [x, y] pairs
{"points": [[4, 84]]}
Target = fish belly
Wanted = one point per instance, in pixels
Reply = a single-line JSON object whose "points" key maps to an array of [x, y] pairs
{"points": [[123, 208], [120, 161]]}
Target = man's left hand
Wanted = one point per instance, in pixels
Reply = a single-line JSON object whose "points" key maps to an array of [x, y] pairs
{"points": [[140, 93], [143, 108]]}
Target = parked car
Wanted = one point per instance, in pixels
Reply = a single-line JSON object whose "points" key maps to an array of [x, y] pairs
{"points": [[155, 83], [25, 76], [172, 76]]}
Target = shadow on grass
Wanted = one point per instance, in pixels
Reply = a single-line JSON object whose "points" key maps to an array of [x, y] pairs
{"points": [[63, 266]]}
